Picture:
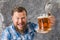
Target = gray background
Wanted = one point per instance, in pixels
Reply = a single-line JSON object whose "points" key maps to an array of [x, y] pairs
{"points": [[34, 8]]}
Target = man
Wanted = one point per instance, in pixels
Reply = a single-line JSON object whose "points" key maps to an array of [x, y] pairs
{"points": [[20, 29]]}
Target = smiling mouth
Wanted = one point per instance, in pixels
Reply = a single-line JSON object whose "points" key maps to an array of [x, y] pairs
{"points": [[20, 25]]}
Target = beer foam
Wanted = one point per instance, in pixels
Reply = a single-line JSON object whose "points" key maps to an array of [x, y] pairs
{"points": [[43, 16]]}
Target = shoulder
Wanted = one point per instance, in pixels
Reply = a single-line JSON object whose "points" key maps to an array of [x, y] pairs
{"points": [[5, 34], [6, 30], [32, 25]]}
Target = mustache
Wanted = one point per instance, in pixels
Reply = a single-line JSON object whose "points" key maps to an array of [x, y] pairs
{"points": [[25, 24], [21, 23]]}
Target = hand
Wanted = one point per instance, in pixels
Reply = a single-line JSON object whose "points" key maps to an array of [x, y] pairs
{"points": [[52, 20]]}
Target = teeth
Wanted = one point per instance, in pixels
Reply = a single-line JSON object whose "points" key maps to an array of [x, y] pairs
{"points": [[20, 25]]}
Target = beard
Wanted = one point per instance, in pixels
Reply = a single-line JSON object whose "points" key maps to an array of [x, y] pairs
{"points": [[21, 30]]}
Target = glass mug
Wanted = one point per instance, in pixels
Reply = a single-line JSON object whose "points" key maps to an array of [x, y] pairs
{"points": [[44, 23]]}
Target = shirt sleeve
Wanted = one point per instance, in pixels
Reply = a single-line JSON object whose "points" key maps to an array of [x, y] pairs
{"points": [[5, 35], [33, 26], [36, 27]]}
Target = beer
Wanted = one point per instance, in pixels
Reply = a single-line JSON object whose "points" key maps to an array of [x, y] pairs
{"points": [[44, 23]]}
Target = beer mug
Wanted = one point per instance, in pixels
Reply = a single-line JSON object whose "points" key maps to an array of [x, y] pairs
{"points": [[44, 23]]}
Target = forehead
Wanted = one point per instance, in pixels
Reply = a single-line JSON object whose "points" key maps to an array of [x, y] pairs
{"points": [[23, 13]]}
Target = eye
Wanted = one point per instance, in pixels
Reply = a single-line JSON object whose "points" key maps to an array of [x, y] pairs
{"points": [[17, 18], [23, 17]]}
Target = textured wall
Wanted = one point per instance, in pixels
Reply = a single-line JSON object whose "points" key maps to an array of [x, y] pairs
{"points": [[34, 8]]}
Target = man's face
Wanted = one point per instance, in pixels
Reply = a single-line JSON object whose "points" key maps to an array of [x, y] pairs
{"points": [[19, 20]]}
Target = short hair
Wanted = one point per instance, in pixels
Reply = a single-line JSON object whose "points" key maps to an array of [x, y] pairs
{"points": [[18, 9]]}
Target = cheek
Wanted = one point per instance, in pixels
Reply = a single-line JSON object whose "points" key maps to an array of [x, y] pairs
{"points": [[15, 22]]}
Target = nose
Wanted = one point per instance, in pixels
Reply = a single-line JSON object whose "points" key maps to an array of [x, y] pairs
{"points": [[20, 20]]}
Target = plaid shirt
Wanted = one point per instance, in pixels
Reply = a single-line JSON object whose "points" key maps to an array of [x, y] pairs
{"points": [[11, 34]]}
